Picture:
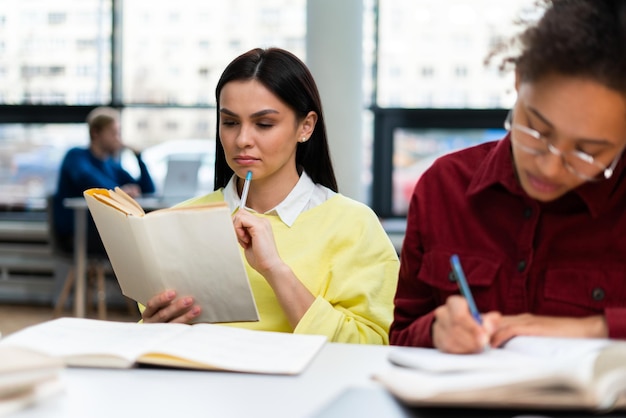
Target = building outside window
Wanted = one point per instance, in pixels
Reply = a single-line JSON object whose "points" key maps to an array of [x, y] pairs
{"points": [[159, 62]]}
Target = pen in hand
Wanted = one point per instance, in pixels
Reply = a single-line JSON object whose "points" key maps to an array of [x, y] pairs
{"points": [[246, 188], [464, 287]]}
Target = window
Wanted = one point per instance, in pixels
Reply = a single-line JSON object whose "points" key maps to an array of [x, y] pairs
{"points": [[161, 72], [432, 93], [56, 18], [424, 78]]}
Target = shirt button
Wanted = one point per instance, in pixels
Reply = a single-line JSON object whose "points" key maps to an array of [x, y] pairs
{"points": [[528, 212], [597, 294], [521, 266], [452, 276]]}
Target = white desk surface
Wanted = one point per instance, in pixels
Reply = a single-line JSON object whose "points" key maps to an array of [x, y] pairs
{"points": [[337, 384], [152, 393]]}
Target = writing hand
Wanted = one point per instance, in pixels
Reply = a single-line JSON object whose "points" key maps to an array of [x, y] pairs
{"points": [[166, 307], [455, 330], [528, 324], [256, 237]]}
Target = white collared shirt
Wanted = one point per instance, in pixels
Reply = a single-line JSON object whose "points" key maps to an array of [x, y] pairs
{"points": [[304, 196]]}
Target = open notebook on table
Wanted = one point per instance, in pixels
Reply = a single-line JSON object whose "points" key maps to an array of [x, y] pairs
{"points": [[528, 372]]}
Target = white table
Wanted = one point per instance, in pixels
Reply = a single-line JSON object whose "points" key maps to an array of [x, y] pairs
{"points": [[182, 393], [337, 384], [79, 205]]}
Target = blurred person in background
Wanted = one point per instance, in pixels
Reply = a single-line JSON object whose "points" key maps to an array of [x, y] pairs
{"points": [[95, 166]]}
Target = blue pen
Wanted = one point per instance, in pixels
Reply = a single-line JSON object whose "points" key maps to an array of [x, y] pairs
{"points": [[244, 193], [465, 290]]}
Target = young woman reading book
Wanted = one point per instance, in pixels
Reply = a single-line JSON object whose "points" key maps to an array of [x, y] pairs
{"points": [[318, 262], [537, 218]]}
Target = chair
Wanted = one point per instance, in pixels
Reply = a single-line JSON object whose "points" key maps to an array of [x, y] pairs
{"points": [[97, 267]]}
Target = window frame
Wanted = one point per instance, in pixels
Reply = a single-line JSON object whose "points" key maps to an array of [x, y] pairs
{"points": [[386, 120]]}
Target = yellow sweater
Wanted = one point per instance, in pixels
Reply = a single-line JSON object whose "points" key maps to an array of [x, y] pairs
{"points": [[341, 253]]}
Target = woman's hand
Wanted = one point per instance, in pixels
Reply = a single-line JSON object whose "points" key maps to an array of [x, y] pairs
{"points": [[166, 307], [551, 326], [456, 331], [256, 237]]}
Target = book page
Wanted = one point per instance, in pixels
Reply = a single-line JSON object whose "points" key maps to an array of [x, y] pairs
{"points": [[193, 251], [208, 346], [120, 195], [525, 388], [196, 253], [433, 360], [27, 397], [519, 353], [609, 375], [115, 200], [577, 356], [94, 343], [126, 249], [528, 371], [22, 369], [91, 342], [556, 347]]}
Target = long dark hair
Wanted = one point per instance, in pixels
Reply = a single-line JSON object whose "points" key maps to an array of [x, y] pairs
{"points": [[286, 76]]}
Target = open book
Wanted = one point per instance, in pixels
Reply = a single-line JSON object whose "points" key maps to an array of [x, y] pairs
{"points": [[528, 372], [26, 377], [81, 342], [192, 250]]}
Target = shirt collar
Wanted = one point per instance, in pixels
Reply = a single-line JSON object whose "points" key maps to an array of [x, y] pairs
{"points": [[497, 168], [289, 209]]}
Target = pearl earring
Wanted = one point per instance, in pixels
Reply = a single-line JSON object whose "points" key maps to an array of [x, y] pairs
{"points": [[303, 139]]}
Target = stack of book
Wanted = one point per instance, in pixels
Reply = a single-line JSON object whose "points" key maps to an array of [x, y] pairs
{"points": [[27, 377]]}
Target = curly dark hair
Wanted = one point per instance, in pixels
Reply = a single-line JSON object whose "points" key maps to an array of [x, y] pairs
{"points": [[585, 38]]}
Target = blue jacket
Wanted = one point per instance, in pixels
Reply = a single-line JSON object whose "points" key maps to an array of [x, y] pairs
{"points": [[81, 170]]}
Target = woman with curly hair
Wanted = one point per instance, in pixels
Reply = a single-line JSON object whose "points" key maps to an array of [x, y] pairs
{"points": [[536, 218]]}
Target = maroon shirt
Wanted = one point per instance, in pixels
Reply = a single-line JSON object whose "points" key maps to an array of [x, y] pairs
{"points": [[561, 258]]}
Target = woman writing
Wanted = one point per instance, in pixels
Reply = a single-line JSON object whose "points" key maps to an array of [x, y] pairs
{"points": [[536, 218]]}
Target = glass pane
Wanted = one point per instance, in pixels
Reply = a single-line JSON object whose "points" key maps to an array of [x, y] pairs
{"points": [[171, 133], [175, 55], [431, 53], [416, 149], [55, 52], [30, 157]]}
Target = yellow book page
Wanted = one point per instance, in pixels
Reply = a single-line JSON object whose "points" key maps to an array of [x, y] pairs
{"points": [[110, 198], [122, 196]]}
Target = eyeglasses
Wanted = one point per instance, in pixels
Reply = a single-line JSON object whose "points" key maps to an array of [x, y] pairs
{"points": [[576, 162]]}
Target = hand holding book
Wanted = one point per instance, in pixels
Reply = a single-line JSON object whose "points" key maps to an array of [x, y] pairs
{"points": [[192, 250]]}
